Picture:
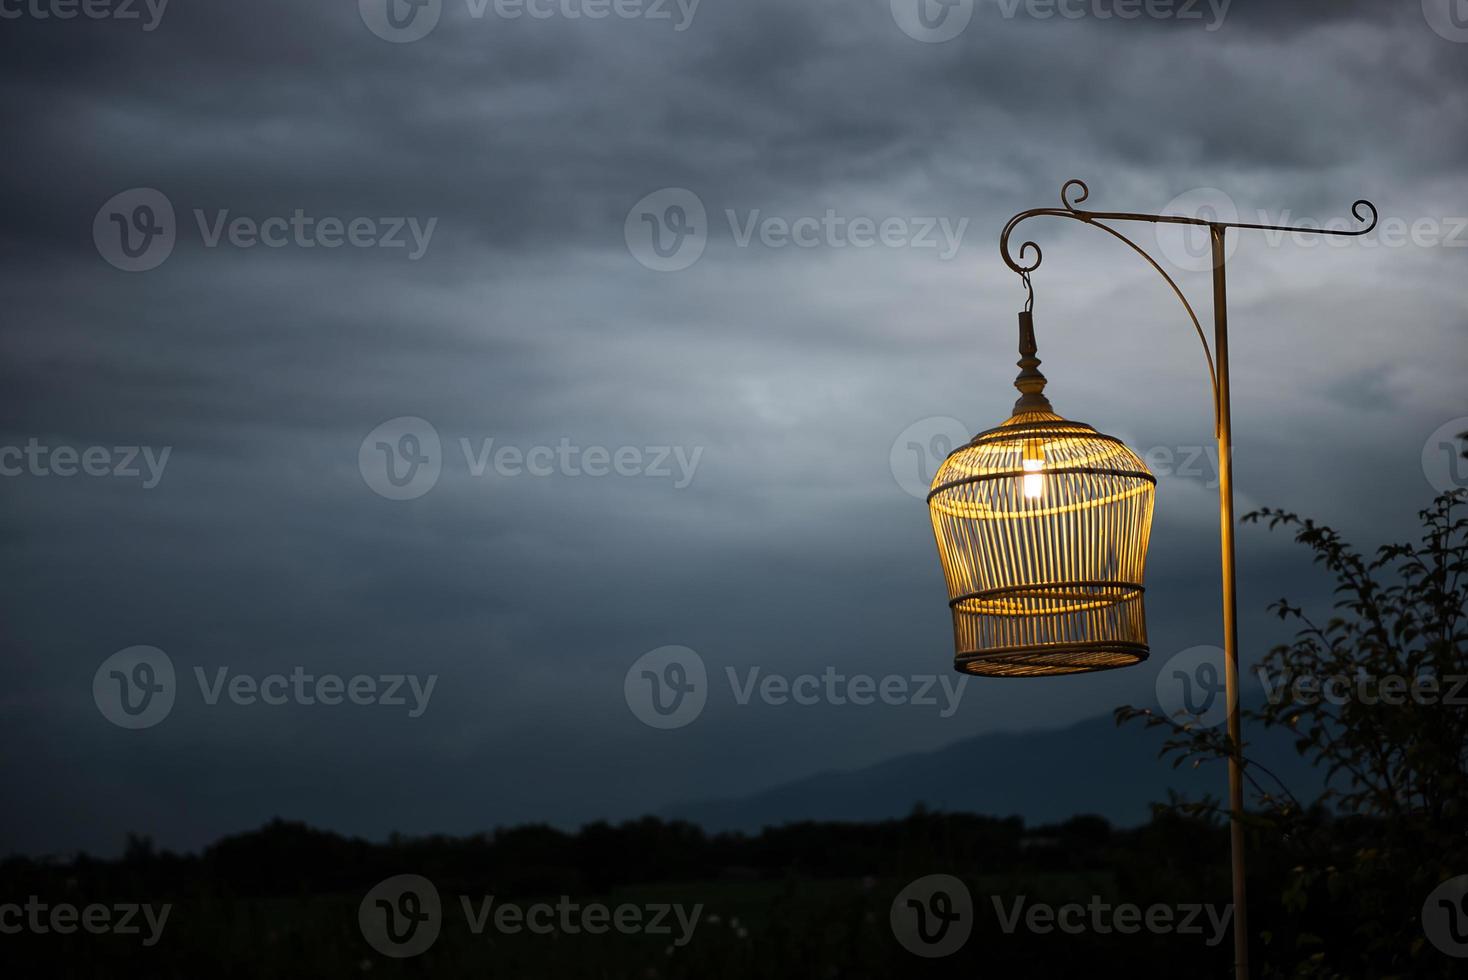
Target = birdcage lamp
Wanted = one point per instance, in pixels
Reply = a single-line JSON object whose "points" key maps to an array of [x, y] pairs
{"points": [[1042, 526]]}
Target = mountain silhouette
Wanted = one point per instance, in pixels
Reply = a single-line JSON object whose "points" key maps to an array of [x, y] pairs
{"points": [[1045, 776]]}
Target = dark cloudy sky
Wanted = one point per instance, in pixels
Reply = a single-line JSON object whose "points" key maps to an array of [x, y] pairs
{"points": [[531, 317]]}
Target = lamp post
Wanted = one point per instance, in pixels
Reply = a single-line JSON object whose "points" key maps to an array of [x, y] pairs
{"points": [[1042, 523]]}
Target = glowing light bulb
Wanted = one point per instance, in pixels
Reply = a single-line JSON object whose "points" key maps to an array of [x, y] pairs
{"points": [[1034, 477], [1032, 460]]}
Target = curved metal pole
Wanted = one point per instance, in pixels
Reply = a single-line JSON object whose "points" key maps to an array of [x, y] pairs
{"points": [[1223, 426], [1192, 315], [1068, 209]]}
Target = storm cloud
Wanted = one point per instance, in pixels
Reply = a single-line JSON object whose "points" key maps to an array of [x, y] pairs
{"points": [[535, 316]]}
